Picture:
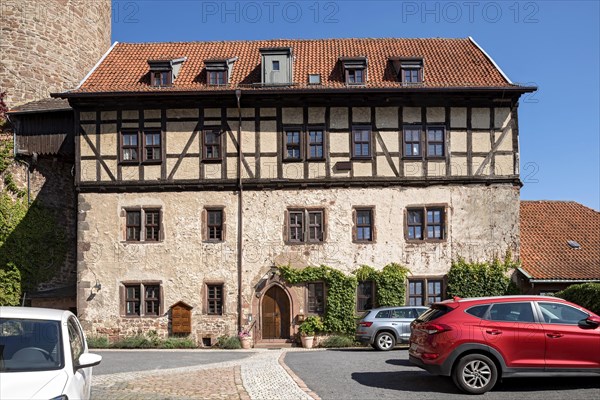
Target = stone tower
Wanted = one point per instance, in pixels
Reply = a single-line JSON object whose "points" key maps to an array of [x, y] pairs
{"points": [[50, 45]]}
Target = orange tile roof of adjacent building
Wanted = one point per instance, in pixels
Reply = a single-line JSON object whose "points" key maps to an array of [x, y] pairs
{"points": [[546, 227], [448, 63]]}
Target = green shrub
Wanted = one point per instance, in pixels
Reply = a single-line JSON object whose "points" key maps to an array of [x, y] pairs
{"points": [[178, 343], [98, 342], [228, 342], [311, 325], [133, 342], [10, 285], [586, 295], [479, 279], [337, 341]]}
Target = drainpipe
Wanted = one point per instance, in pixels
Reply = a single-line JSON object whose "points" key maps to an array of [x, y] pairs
{"points": [[238, 95]]}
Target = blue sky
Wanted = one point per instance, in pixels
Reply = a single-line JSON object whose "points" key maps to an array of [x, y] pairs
{"points": [[554, 45]]}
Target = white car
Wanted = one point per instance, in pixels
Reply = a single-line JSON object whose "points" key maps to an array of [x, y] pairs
{"points": [[43, 355]]}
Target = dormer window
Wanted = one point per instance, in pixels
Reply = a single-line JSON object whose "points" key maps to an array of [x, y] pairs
{"points": [[218, 71], [409, 70], [164, 72], [276, 66], [355, 70]]}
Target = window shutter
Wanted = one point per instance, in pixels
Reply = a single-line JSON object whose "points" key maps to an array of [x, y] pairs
{"points": [[121, 299], [223, 225], [161, 301], [286, 229], [355, 225], [203, 225], [324, 225]]}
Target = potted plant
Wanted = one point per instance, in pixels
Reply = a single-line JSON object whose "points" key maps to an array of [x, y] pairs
{"points": [[308, 328], [245, 339]]}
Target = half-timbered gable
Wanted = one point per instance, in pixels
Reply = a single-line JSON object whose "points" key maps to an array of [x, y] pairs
{"points": [[201, 165]]}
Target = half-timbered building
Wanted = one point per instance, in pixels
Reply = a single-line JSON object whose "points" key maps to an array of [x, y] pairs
{"points": [[202, 166]]}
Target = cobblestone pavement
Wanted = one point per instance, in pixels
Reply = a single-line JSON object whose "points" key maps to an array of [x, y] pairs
{"points": [[262, 376]]}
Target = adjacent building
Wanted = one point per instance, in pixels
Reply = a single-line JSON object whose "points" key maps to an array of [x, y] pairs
{"points": [[201, 166], [560, 246]]}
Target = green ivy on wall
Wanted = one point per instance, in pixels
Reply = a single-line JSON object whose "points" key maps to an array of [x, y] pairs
{"points": [[390, 283], [341, 290], [479, 279], [32, 245], [341, 294]]}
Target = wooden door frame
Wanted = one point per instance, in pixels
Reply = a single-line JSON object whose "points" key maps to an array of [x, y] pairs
{"points": [[288, 322]]}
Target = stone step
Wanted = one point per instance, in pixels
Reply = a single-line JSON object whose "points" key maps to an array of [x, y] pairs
{"points": [[274, 344]]}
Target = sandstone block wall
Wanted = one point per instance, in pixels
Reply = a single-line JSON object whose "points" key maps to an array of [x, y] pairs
{"points": [[482, 223], [50, 45]]}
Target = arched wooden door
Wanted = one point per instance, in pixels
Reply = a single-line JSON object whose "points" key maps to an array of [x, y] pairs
{"points": [[275, 314]]}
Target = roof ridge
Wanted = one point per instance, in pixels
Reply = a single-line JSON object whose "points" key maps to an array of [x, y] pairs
{"points": [[295, 40]]}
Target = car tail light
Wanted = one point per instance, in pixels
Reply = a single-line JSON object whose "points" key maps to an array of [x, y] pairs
{"points": [[430, 356], [366, 324], [432, 329]]}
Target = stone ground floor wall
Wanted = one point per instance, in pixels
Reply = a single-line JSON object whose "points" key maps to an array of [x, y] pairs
{"points": [[481, 222]]}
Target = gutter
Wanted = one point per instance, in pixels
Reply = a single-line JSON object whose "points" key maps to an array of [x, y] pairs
{"points": [[293, 92], [238, 95], [534, 280]]}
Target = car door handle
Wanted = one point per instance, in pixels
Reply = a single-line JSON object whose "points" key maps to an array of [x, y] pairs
{"points": [[393, 323], [554, 335], [494, 332]]}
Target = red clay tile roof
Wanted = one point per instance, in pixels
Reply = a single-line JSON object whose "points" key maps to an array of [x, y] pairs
{"points": [[546, 226], [448, 63]]}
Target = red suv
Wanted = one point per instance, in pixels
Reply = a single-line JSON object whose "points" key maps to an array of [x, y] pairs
{"points": [[478, 341]]}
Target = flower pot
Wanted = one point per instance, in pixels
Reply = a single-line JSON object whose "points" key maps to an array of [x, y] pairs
{"points": [[246, 343], [307, 341]]}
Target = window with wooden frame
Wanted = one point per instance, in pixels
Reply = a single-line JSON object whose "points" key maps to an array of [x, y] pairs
{"points": [[355, 76], [435, 142], [211, 145], [365, 295], [214, 224], [217, 77], [425, 223], [412, 141], [361, 142], [129, 146], [161, 78], [141, 299], [411, 71], [363, 225], [315, 297], [152, 147], [143, 220], [315, 144], [214, 299], [293, 144], [305, 226], [425, 291]]}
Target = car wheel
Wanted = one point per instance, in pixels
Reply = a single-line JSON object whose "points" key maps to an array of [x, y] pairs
{"points": [[385, 341], [475, 374]]}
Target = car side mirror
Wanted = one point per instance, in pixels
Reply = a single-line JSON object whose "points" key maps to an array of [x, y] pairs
{"points": [[87, 360], [590, 322]]}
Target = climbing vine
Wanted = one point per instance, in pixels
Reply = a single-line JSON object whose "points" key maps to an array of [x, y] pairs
{"points": [[341, 289], [32, 246], [390, 283], [479, 279]]}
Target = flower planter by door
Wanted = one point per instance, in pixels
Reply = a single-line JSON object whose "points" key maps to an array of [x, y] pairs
{"points": [[307, 341]]}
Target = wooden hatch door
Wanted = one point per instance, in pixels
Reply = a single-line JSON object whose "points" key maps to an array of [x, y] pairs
{"points": [[275, 314], [181, 318]]}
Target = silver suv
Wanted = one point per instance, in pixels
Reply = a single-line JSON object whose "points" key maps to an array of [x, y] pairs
{"points": [[383, 327]]}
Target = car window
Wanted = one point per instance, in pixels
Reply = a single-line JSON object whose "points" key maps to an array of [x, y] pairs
{"points": [[29, 345], [557, 313], [402, 313], [384, 314], [478, 311], [436, 311], [75, 340], [516, 312]]}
